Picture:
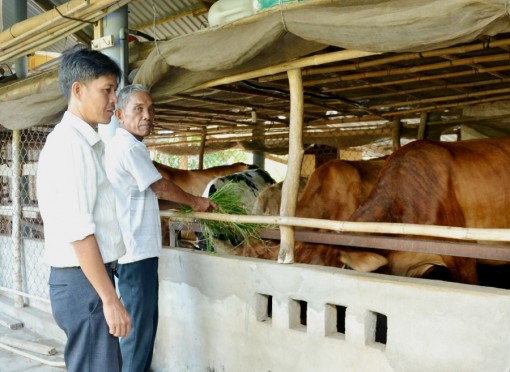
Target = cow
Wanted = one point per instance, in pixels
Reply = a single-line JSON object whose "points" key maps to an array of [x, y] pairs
{"points": [[336, 188], [251, 182], [333, 191], [194, 182], [269, 200], [427, 182]]}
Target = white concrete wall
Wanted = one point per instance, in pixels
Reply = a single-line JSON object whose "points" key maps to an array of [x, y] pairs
{"points": [[212, 309]]}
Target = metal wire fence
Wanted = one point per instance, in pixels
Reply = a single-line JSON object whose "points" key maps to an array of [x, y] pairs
{"points": [[21, 229]]}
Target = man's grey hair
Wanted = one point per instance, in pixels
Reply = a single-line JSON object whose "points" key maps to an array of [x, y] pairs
{"points": [[126, 92]]}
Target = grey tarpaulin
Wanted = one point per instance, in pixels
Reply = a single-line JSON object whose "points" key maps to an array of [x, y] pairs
{"points": [[279, 34]]}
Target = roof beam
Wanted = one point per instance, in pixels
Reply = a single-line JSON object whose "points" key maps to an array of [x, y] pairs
{"points": [[46, 5]]}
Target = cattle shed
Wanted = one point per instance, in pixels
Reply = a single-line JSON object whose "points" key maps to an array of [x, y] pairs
{"points": [[296, 82]]}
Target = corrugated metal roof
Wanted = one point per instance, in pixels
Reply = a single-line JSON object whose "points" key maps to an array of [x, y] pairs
{"points": [[160, 19], [32, 10], [164, 19]]}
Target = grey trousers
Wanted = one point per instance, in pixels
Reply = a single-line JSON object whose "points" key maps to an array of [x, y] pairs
{"points": [[78, 310]]}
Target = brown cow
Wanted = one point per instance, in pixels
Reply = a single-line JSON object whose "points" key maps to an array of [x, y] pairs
{"points": [[333, 191], [336, 189], [461, 184]]}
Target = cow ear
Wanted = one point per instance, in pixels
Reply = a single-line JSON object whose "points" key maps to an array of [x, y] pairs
{"points": [[363, 261]]}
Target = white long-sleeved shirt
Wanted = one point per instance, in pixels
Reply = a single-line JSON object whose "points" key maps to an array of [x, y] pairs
{"points": [[75, 197], [131, 173]]}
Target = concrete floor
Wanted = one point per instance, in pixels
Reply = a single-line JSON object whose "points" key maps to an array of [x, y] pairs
{"points": [[10, 362], [13, 362]]}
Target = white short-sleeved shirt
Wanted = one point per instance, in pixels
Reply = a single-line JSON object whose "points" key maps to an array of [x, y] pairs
{"points": [[131, 173], [75, 197]]}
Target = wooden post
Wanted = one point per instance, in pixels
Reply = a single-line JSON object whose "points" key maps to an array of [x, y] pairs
{"points": [[423, 125], [16, 216], [396, 134], [183, 162], [98, 29], [291, 183], [259, 156], [202, 150]]}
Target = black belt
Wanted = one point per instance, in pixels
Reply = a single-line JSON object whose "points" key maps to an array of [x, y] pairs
{"points": [[113, 267]]}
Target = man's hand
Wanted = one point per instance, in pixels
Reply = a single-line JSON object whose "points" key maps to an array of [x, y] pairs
{"points": [[117, 318], [91, 262], [201, 204]]}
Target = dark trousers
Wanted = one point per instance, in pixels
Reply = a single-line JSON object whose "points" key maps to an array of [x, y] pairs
{"points": [[138, 287], [78, 310]]}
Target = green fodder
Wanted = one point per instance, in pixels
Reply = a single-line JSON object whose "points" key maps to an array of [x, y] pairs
{"points": [[228, 200]]}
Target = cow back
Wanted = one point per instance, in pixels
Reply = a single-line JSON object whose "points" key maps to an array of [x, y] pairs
{"points": [[443, 183]]}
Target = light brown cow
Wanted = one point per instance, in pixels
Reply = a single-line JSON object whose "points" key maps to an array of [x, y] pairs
{"points": [[269, 200], [194, 182], [461, 184]]}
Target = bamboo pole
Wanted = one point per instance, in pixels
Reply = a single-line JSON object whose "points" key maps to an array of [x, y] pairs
{"points": [[41, 21], [336, 132], [447, 232], [202, 149], [33, 40], [393, 59], [296, 151], [460, 86], [421, 78], [27, 46], [283, 67], [395, 134], [445, 106], [410, 70], [423, 125], [443, 98], [17, 246], [274, 98]]}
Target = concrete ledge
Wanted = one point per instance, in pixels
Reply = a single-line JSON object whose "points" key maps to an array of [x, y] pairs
{"points": [[36, 320], [215, 315]]}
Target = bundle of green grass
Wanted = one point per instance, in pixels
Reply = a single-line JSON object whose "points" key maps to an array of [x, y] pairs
{"points": [[228, 200]]}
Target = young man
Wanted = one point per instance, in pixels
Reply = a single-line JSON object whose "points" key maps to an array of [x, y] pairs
{"points": [[138, 185], [82, 237]]}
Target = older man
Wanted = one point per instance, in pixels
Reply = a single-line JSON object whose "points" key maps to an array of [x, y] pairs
{"points": [[138, 185]]}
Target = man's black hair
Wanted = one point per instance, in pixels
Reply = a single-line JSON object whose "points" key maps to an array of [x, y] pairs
{"points": [[82, 64]]}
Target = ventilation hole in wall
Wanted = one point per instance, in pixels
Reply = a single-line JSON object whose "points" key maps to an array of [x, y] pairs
{"points": [[303, 306], [340, 318], [335, 320], [298, 314], [269, 306], [381, 328], [263, 307]]}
